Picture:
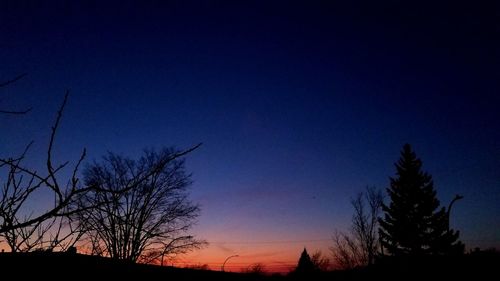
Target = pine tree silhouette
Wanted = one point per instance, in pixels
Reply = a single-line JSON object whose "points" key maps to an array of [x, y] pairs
{"points": [[305, 264], [413, 222]]}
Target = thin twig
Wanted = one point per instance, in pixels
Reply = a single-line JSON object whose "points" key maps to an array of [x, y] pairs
{"points": [[3, 84]]}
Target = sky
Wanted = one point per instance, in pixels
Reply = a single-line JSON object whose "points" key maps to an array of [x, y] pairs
{"points": [[299, 106]]}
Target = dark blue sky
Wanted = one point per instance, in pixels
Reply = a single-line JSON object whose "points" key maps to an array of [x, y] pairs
{"points": [[299, 106]]}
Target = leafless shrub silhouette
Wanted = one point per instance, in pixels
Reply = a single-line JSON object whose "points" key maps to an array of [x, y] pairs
{"points": [[320, 262], [255, 268]]}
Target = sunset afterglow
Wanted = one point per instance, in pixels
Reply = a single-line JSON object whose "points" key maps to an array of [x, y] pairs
{"points": [[298, 107]]}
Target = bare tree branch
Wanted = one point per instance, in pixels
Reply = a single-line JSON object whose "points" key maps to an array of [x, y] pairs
{"points": [[15, 112], [5, 83], [18, 112], [16, 191]]}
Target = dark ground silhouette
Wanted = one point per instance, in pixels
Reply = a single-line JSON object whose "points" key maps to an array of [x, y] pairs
{"points": [[70, 266]]}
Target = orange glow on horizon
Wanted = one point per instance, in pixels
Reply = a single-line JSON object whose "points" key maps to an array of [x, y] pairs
{"points": [[276, 257]]}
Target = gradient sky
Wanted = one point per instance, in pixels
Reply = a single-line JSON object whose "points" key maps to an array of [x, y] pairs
{"points": [[299, 106]]}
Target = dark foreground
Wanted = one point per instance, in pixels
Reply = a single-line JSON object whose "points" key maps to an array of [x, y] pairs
{"points": [[66, 266]]}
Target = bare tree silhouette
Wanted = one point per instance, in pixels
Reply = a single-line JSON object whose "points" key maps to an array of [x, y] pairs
{"points": [[26, 231], [150, 219], [360, 245]]}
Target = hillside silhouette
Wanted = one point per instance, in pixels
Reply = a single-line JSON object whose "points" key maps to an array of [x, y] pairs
{"points": [[69, 266]]}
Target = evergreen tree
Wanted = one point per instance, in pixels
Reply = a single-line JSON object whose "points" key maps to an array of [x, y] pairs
{"points": [[305, 264], [413, 222]]}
